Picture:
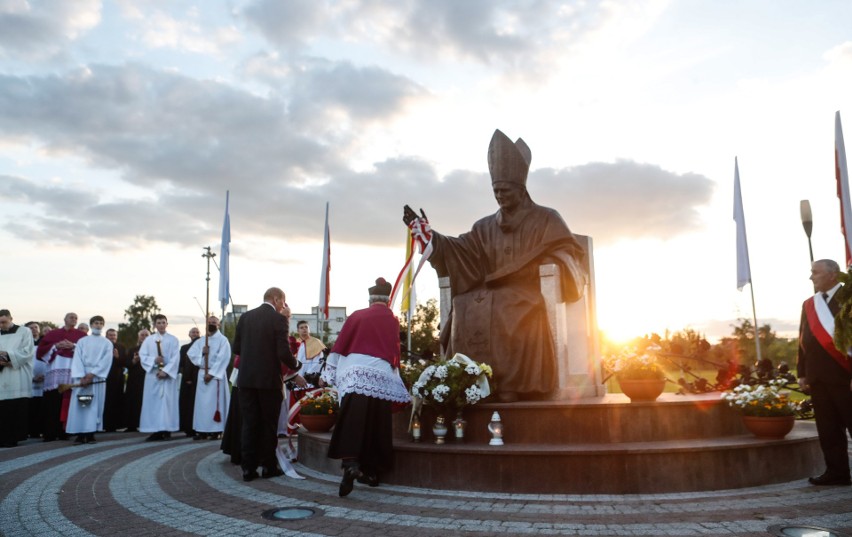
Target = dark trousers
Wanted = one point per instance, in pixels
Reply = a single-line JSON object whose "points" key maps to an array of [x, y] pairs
{"points": [[35, 416], [53, 427], [231, 444], [833, 413], [259, 410], [186, 403], [114, 403], [13, 421]]}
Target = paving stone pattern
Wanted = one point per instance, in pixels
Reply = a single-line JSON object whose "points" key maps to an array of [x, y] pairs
{"points": [[125, 486]]}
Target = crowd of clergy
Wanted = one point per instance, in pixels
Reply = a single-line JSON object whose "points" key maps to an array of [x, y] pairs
{"points": [[76, 380]]}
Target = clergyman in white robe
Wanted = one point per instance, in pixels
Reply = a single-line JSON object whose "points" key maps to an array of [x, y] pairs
{"points": [[160, 413], [92, 356], [212, 394]]}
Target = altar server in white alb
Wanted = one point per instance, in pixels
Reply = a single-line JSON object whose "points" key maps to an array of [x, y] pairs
{"points": [[16, 377], [89, 368], [160, 358], [211, 354]]}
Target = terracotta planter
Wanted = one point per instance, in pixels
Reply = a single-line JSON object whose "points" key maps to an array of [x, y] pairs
{"points": [[319, 423], [773, 427], [642, 390]]}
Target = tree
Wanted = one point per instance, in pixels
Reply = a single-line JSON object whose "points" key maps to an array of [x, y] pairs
{"points": [[139, 315], [46, 325], [772, 347], [424, 329]]}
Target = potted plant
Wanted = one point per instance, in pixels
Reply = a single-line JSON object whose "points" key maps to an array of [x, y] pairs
{"points": [[318, 410], [449, 386], [638, 372], [766, 408]]}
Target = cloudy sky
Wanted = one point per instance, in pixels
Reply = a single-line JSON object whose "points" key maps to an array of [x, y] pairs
{"points": [[123, 123]]}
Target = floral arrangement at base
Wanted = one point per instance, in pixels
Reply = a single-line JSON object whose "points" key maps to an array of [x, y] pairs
{"points": [[762, 400], [453, 384], [411, 368], [634, 364], [319, 403]]}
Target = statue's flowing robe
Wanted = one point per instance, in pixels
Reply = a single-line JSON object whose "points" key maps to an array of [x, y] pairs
{"points": [[498, 313]]}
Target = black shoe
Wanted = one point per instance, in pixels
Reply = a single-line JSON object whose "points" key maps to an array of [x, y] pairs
{"points": [[91, 439], [371, 480], [249, 475], [200, 436], [348, 482], [271, 472], [154, 437], [79, 440], [828, 480]]}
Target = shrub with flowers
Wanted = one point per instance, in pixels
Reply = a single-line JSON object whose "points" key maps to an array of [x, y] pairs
{"points": [[764, 400], [319, 403], [633, 364], [410, 370], [453, 383]]}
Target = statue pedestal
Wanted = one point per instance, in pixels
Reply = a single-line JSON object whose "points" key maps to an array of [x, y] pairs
{"points": [[600, 445], [574, 329]]}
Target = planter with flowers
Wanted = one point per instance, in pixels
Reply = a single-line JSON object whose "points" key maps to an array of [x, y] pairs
{"points": [[318, 410], [638, 373], [767, 410], [449, 386]]}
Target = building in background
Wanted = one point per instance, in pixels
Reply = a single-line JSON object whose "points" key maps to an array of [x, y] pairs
{"points": [[328, 330]]}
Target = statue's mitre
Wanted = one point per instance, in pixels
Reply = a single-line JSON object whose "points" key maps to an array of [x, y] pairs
{"points": [[508, 162]]}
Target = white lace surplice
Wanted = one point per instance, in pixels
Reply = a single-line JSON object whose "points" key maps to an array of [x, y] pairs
{"points": [[367, 375]]}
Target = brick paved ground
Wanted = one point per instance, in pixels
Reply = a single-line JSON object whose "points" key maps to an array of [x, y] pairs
{"points": [[124, 486]]}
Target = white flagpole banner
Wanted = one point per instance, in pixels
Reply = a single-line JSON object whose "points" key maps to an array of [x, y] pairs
{"points": [[842, 174], [743, 266], [325, 287], [224, 258]]}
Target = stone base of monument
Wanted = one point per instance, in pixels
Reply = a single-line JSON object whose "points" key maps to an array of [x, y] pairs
{"points": [[602, 445]]}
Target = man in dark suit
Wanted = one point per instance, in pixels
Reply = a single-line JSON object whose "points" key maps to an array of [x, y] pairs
{"points": [[262, 344], [826, 373]]}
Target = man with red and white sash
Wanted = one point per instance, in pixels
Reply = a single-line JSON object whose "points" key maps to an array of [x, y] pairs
{"points": [[826, 373]]}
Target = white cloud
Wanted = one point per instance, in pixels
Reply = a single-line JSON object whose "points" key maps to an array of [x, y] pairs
{"points": [[42, 29], [159, 29], [515, 35]]}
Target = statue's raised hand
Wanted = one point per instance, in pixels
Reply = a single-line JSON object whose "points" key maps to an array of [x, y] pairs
{"points": [[408, 215], [419, 226]]}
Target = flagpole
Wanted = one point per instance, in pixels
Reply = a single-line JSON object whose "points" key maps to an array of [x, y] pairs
{"points": [[408, 316], [754, 316]]}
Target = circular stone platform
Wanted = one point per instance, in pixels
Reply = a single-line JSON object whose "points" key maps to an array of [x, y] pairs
{"points": [[596, 445]]}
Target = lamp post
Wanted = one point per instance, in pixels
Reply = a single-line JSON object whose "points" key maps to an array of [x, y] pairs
{"points": [[807, 223]]}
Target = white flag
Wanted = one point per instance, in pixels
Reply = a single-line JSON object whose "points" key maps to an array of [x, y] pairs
{"points": [[842, 174], [743, 267], [325, 287], [224, 258]]}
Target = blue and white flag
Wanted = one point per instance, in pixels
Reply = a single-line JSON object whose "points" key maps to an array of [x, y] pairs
{"points": [[224, 258]]}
